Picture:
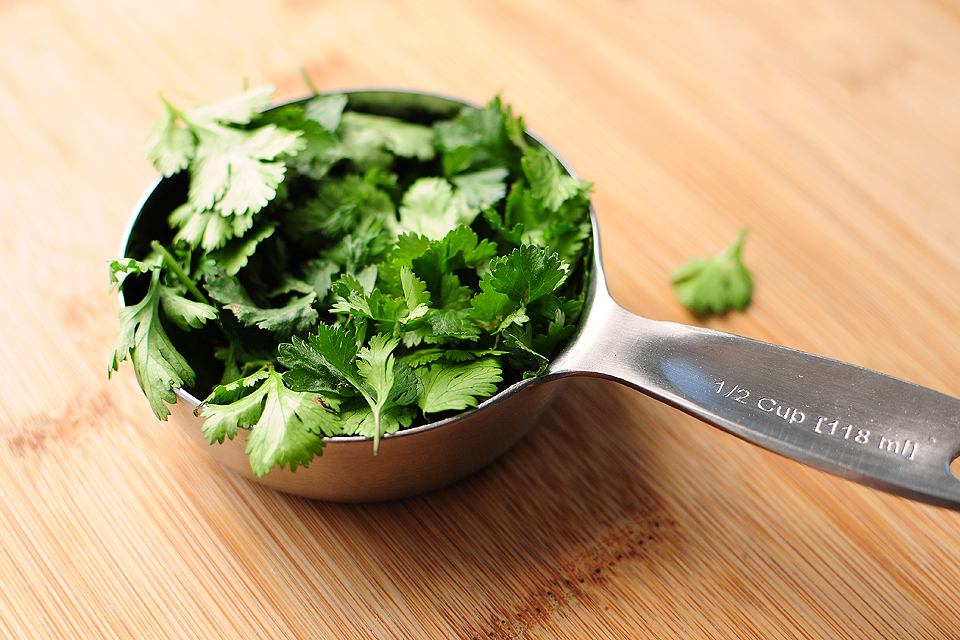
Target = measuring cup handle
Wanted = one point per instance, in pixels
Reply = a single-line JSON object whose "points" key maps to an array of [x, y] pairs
{"points": [[853, 422]]}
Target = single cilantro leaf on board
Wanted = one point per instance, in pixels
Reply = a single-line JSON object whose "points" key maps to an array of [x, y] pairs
{"points": [[287, 426], [715, 284], [455, 387]]}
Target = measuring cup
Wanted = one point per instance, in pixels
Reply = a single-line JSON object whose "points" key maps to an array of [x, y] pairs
{"points": [[858, 424]]}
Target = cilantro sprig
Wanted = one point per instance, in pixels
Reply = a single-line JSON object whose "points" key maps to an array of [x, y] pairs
{"points": [[717, 283], [338, 272]]}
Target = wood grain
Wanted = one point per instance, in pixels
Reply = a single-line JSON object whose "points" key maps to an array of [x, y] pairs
{"points": [[830, 128]]}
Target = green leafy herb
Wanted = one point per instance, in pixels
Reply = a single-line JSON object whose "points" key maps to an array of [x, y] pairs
{"points": [[455, 387], [332, 272], [715, 284], [159, 366], [289, 424]]}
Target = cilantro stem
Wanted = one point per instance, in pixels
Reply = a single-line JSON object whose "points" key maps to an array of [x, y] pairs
{"points": [[182, 275], [177, 113], [309, 81]]}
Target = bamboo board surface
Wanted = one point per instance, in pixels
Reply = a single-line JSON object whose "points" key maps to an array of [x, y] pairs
{"points": [[831, 129]]}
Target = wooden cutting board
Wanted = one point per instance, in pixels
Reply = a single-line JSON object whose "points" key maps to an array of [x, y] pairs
{"points": [[830, 128]]}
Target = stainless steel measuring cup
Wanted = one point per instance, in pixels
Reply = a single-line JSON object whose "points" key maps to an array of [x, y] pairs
{"points": [[856, 423]]}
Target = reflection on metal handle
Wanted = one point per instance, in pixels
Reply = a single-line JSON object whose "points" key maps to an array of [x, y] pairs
{"points": [[856, 423]]}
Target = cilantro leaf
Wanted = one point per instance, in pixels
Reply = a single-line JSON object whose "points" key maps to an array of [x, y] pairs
{"points": [[233, 171], [237, 109], [490, 308], [406, 139], [124, 267], [558, 331], [342, 205], [317, 120], [170, 145], [332, 357], [431, 208], [715, 284], [296, 316], [386, 381], [185, 313], [231, 407], [455, 387], [234, 255], [326, 110], [319, 274], [481, 138], [548, 181], [159, 367], [528, 273], [309, 370], [207, 229], [324, 361], [360, 421], [287, 426], [436, 262], [519, 338], [482, 188], [376, 306]]}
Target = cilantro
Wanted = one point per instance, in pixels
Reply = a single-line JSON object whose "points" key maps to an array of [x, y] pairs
{"points": [[528, 273], [295, 316], [432, 208], [330, 360], [287, 422], [159, 366], [455, 387], [482, 188], [232, 169], [548, 182], [332, 272], [404, 139], [715, 284]]}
